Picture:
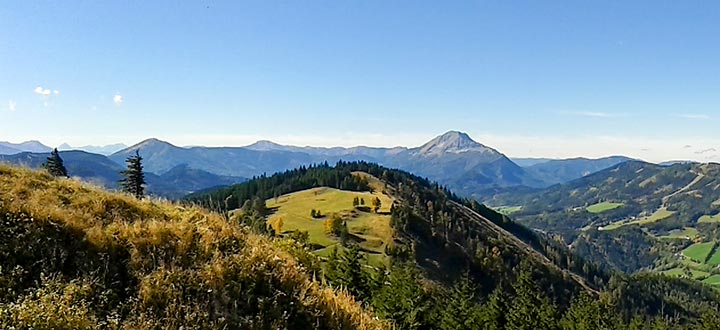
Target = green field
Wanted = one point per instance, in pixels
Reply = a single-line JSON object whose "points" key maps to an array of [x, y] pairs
{"points": [[715, 258], [372, 230], [507, 210], [658, 215], [713, 280], [603, 206], [680, 272], [709, 218], [698, 251], [687, 232]]}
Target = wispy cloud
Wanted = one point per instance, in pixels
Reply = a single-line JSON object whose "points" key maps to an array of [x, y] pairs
{"points": [[45, 93], [704, 151], [595, 114], [694, 116], [11, 105], [117, 99]]}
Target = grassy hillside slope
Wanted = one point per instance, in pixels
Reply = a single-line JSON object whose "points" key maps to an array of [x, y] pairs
{"points": [[369, 229], [77, 257]]}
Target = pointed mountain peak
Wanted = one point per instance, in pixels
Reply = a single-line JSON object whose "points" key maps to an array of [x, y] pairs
{"points": [[153, 142], [453, 142], [151, 145], [264, 145]]}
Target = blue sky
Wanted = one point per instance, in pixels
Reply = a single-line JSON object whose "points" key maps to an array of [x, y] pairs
{"points": [[530, 78]]}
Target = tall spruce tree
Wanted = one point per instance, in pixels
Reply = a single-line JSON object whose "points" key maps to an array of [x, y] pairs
{"points": [[134, 178], [460, 310], [54, 164]]}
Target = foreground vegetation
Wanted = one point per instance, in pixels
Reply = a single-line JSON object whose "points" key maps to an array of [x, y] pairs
{"points": [[76, 257]]}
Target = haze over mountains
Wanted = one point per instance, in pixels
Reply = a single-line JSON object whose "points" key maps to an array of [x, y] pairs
{"points": [[453, 159]]}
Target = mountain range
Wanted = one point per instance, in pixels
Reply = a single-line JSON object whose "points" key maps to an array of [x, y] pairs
{"points": [[453, 159], [103, 150]]}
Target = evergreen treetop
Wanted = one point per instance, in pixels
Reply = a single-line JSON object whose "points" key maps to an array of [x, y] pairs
{"points": [[54, 164], [134, 178]]}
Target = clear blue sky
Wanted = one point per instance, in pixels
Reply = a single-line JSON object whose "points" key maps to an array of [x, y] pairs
{"points": [[531, 78]]}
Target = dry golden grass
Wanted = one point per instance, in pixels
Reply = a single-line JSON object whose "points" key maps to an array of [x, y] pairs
{"points": [[75, 256]]}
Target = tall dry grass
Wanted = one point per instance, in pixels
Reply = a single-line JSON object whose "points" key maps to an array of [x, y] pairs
{"points": [[73, 256]]}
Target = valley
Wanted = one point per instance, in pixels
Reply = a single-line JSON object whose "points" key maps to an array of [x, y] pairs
{"points": [[668, 210]]}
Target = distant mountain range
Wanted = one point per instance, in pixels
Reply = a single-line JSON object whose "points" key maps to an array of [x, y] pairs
{"points": [[7, 148], [103, 150], [556, 171], [101, 170], [453, 159]]}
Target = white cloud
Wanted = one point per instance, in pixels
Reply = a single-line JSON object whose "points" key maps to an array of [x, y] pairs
{"points": [[46, 93], [11, 105], [118, 99], [42, 91], [695, 116], [594, 114]]}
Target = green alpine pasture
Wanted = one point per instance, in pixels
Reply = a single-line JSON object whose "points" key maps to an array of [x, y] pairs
{"points": [[713, 280], [685, 233], [658, 215], [709, 218], [603, 206], [699, 251], [372, 230], [508, 209]]}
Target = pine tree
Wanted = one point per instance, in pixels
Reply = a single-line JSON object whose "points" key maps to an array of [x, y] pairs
{"points": [[494, 311], [376, 204], [531, 309], [134, 178], [54, 164], [402, 300], [585, 313], [460, 310]]}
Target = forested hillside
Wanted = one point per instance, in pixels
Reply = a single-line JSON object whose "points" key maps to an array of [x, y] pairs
{"points": [[634, 216], [449, 250]]}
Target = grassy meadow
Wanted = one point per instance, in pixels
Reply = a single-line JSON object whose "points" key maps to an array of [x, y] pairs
{"points": [[658, 215], [699, 251], [603, 206], [372, 230]]}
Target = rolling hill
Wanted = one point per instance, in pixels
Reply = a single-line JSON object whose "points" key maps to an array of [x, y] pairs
{"points": [[76, 257]]}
